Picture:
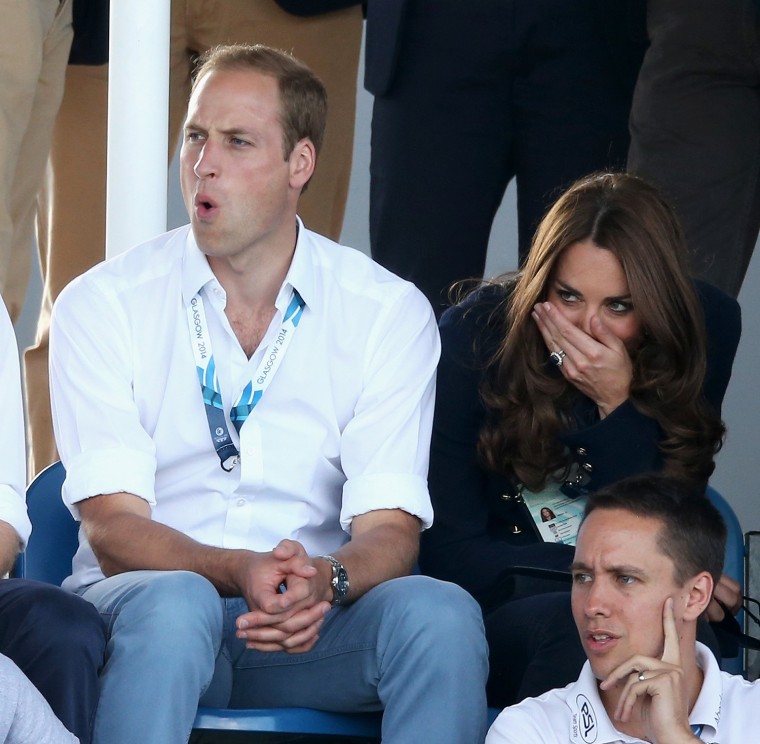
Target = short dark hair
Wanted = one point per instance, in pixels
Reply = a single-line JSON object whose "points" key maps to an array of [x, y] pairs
{"points": [[303, 97], [693, 533]]}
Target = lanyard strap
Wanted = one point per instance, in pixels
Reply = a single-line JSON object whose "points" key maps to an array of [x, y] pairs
{"points": [[253, 391]]}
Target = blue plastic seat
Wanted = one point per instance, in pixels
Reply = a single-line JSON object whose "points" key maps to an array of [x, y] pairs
{"points": [[48, 557], [733, 564]]}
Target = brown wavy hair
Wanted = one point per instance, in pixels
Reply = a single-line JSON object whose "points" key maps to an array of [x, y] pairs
{"points": [[529, 403]]}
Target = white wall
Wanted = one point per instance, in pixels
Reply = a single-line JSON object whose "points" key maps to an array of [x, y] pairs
{"points": [[736, 475]]}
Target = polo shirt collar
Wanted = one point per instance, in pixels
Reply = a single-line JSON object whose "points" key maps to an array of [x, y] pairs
{"points": [[706, 710], [196, 272]]}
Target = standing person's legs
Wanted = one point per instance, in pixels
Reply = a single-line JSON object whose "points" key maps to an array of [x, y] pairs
{"points": [[328, 43], [35, 38], [695, 128], [70, 230], [412, 646], [57, 640], [571, 103], [441, 144], [165, 631]]}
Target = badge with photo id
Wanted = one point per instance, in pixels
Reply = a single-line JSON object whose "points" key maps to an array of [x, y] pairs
{"points": [[556, 515]]}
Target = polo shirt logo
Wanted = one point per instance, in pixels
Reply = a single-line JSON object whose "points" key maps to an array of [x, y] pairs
{"points": [[586, 719]]}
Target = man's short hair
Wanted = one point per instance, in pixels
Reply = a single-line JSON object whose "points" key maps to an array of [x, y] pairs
{"points": [[303, 98], [693, 533]]}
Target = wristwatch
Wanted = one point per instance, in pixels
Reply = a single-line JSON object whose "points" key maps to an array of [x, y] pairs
{"points": [[339, 580]]}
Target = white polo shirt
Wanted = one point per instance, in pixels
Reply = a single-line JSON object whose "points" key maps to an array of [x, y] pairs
{"points": [[12, 450], [343, 428], [726, 711]]}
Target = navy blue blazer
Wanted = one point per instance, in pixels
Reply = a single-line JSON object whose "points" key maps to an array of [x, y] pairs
{"points": [[480, 530], [621, 25]]}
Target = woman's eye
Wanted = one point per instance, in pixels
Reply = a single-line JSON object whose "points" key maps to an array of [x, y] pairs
{"points": [[566, 296], [620, 307]]}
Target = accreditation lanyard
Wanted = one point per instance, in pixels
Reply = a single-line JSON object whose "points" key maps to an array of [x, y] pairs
{"points": [[228, 453]]}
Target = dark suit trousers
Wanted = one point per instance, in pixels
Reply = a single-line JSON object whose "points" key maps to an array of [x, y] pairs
{"points": [[484, 91], [57, 640]]}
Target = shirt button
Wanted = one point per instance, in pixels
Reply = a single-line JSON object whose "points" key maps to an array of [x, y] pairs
{"points": [[241, 502]]}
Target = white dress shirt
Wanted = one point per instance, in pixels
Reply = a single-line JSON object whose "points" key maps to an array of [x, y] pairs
{"points": [[12, 443], [343, 428], [725, 712]]}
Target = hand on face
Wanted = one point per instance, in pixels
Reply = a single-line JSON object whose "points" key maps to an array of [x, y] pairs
{"points": [[654, 694], [598, 364], [282, 620]]}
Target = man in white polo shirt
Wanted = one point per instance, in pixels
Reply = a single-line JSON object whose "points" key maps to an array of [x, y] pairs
{"points": [[648, 555], [244, 409]]}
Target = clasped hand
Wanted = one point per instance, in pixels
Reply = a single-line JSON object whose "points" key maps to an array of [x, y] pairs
{"points": [[599, 365], [280, 620]]}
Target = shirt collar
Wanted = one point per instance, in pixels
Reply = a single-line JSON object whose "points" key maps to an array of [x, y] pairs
{"points": [[196, 273], [300, 275], [706, 710]]}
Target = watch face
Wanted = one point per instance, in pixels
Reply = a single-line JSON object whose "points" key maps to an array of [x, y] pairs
{"points": [[339, 579], [342, 582]]}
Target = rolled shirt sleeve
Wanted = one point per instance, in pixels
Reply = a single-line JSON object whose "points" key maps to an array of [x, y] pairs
{"points": [[385, 447]]}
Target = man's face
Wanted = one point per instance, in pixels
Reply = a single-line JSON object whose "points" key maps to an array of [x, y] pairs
{"points": [[236, 181], [621, 580]]}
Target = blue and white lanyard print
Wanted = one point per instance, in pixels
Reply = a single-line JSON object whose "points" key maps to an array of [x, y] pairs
{"points": [[252, 394]]}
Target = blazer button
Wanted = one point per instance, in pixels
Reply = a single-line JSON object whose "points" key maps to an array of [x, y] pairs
{"points": [[507, 496], [587, 467], [516, 530], [581, 452]]}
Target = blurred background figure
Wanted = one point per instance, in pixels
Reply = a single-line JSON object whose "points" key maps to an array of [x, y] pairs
{"points": [[695, 128], [35, 37]]}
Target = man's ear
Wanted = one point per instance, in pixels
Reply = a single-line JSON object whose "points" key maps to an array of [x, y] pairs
{"points": [[700, 590], [302, 162]]}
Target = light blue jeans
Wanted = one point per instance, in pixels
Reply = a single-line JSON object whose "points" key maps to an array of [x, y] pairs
{"points": [[413, 646]]}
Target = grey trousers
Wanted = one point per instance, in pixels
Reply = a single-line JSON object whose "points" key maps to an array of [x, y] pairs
{"points": [[695, 128]]}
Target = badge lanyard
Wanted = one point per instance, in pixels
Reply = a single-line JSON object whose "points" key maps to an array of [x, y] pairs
{"points": [[253, 391]]}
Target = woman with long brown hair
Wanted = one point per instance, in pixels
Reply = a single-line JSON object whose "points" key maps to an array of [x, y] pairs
{"points": [[599, 360]]}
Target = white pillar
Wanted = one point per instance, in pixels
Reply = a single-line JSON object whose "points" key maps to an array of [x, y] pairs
{"points": [[138, 122]]}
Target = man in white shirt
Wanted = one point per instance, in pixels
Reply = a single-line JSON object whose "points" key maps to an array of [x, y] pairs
{"points": [[648, 555], [49, 639], [244, 408]]}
